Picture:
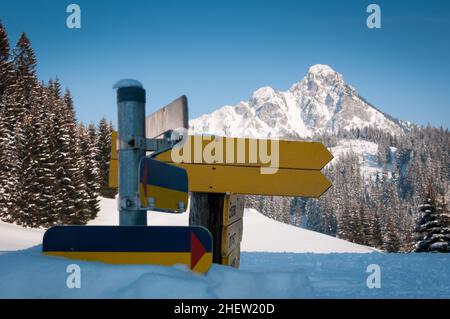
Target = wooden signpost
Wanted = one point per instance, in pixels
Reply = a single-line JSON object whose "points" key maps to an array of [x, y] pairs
{"points": [[217, 186]]}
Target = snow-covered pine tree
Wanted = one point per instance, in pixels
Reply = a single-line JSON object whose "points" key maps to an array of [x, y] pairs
{"points": [[10, 163], [8, 149], [312, 216], [433, 226], [389, 208], [90, 171], [6, 76], [391, 241], [37, 182], [55, 88], [72, 194], [24, 62], [92, 132], [376, 236], [104, 153], [19, 102]]}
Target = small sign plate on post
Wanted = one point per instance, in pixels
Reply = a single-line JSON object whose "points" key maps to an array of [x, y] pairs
{"points": [[162, 187], [169, 117], [160, 245], [231, 237], [233, 259], [233, 209]]}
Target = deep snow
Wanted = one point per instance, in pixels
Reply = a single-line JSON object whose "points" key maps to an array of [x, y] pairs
{"points": [[29, 274]]}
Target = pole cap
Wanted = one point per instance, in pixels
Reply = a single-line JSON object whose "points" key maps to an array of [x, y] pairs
{"points": [[129, 90]]}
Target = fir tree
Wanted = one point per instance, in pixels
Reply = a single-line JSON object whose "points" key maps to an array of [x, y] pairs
{"points": [[103, 156], [376, 237], [73, 191], [433, 227], [90, 170], [37, 182], [10, 163], [5, 62], [19, 99], [24, 62], [391, 241]]}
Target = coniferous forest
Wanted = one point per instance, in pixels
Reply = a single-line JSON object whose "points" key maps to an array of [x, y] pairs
{"points": [[403, 208], [52, 168]]}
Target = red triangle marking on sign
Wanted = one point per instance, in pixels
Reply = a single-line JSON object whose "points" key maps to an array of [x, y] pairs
{"points": [[197, 250], [144, 180]]}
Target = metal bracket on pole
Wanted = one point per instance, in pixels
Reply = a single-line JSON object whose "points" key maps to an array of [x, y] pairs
{"points": [[128, 202], [155, 145], [159, 145]]}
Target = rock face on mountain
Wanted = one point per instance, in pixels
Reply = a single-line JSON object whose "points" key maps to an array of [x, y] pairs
{"points": [[320, 102]]}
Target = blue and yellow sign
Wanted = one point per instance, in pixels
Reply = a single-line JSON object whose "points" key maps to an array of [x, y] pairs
{"points": [[160, 245], [163, 187]]}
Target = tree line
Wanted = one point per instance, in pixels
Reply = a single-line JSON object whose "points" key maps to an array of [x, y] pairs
{"points": [[52, 168], [383, 210]]}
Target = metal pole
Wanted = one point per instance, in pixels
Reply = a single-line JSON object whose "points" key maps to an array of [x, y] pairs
{"points": [[131, 129]]}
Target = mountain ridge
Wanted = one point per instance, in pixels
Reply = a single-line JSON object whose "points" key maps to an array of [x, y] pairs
{"points": [[322, 102]]}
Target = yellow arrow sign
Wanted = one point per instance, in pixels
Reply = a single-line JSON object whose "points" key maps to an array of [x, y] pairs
{"points": [[252, 152], [249, 180], [235, 166]]}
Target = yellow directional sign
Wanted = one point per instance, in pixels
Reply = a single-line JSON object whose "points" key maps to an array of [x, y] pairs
{"points": [[235, 168], [246, 152], [249, 180]]}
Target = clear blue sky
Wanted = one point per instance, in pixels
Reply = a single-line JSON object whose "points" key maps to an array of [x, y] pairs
{"points": [[218, 52]]}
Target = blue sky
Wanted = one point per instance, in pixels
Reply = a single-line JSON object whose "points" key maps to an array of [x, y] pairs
{"points": [[219, 52]]}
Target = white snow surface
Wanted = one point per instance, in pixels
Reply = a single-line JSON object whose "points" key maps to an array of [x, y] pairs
{"points": [[30, 274], [260, 233], [13, 237]]}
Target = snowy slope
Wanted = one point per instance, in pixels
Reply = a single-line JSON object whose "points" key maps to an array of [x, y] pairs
{"points": [[263, 234], [320, 102], [260, 233], [29, 274], [13, 237]]}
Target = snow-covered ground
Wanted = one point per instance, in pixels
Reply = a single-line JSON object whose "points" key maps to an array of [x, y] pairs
{"points": [[320, 273], [260, 233], [13, 237], [29, 274]]}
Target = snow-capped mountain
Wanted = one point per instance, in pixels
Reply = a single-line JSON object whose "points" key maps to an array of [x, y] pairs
{"points": [[320, 102]]}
